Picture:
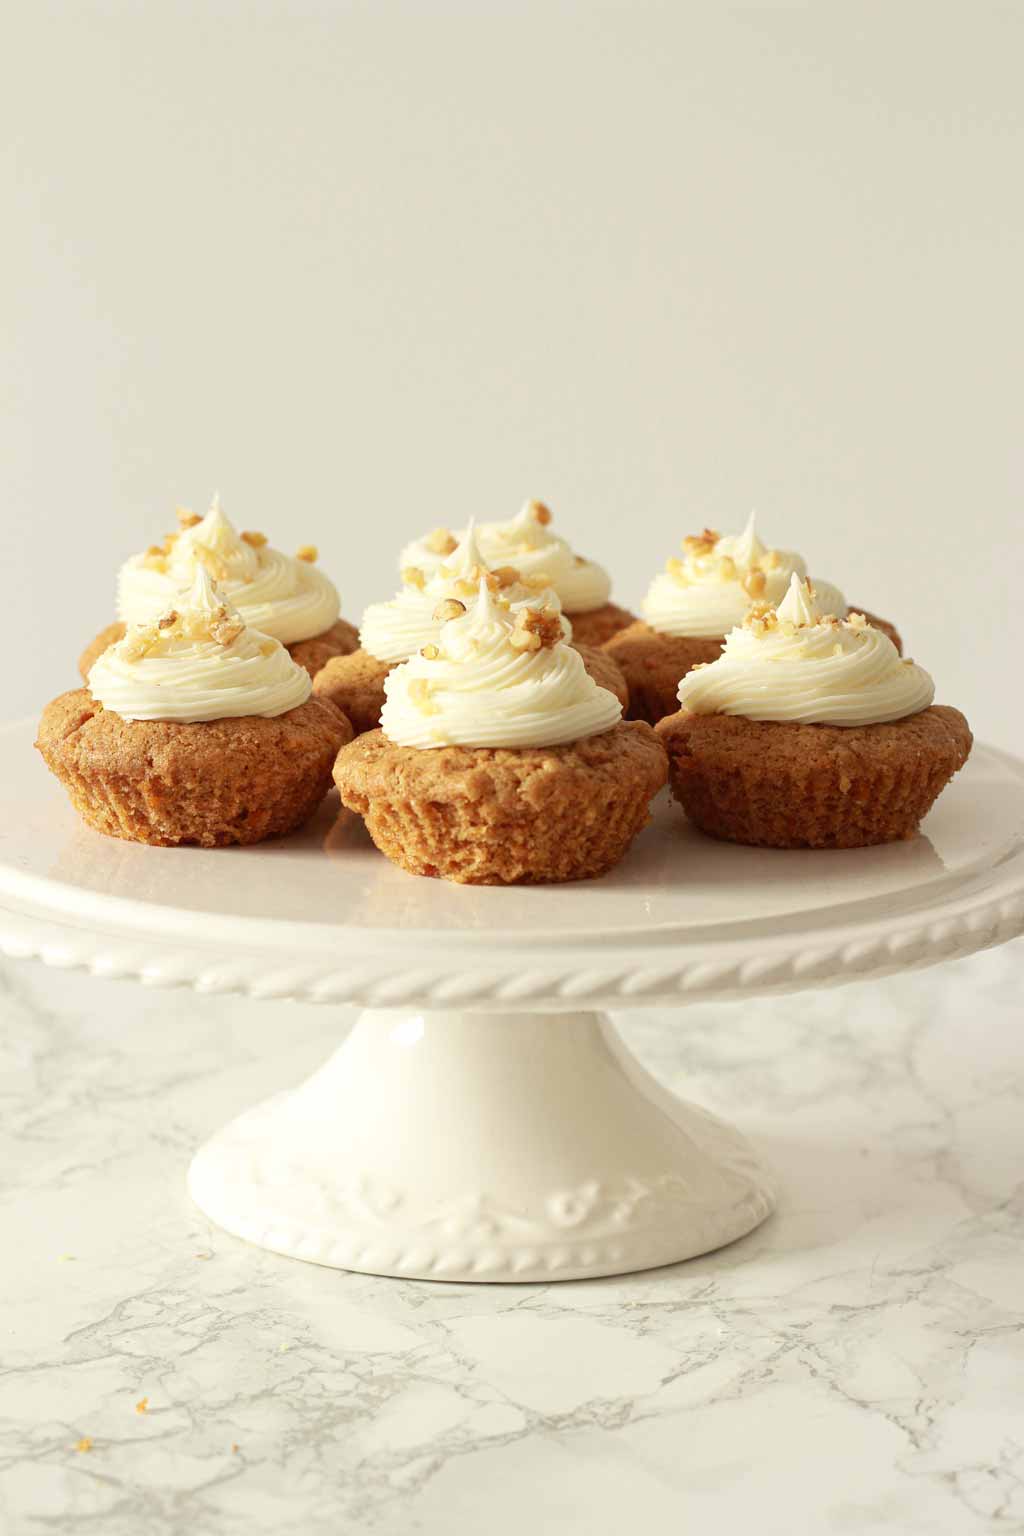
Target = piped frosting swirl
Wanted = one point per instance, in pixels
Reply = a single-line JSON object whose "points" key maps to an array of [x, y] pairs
{"points": [[526, 543], [707, 592], [278, 594], [396, 630], [798, 664], [496, 678], [198, 662]]}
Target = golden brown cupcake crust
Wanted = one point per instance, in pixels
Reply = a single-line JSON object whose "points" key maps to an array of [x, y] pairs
{"points": [[783, 785], [501, 816], [355, 683], [211, 783], [339, 640], [598, 626]]}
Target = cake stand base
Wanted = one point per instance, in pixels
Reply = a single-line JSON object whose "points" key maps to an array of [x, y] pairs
{"points": [[487, 1147]]}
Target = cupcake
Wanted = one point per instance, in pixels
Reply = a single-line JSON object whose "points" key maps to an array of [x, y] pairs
{"points": [[810, 731], [391, 632], [527, 543], [279, 595], [499, 759], [194, 729], [693, 604]]}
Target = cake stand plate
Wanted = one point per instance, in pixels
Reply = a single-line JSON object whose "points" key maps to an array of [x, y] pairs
{"points": [[483, 1121]]}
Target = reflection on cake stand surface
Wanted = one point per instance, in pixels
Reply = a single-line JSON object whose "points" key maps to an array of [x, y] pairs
{"points": [[482, 1120]]}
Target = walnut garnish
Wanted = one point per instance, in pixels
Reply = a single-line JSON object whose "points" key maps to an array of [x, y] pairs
{"points": [[169, 620], [504, 576], [430, 652], [761, 618], [155, 558], [536, 628], [541, 513], [412, 576], [186, 518], [257, 540], [419, 696], [308, 552], [770, 561], [754, 583], [856, 621], [466, 588], [450, 608], [441, 541], [727, 568], [676, 568], [225, 627], [699, 545]]}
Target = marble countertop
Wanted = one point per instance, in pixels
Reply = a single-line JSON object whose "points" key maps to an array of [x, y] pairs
{"points": [[854, 1366]]}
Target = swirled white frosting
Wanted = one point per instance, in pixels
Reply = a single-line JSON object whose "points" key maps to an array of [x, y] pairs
{"points": [[527, 543], [481, 691], [801, 665], [707, 592], [276, 594], [396, 630], [178, 669]]}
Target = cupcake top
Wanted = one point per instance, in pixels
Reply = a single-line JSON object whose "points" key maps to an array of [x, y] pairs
{"points": [[396, 630], [280, 595], [799, 664], [198, 661], [526, 543], [496, 677], [708, 591]]}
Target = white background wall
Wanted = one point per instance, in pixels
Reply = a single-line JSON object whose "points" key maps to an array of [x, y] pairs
{"points": [[371, 268]]}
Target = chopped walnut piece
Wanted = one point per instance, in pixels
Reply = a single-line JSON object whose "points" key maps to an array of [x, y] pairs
{"points": [[727, 568], [412, 576], [504, 576], [536, 628], [441, 541], [699, 545], [856, 621], [155, 558], [754, 583], [450, 608], [85, 1444], [308, 552], [419, 696], [186, 518], [466, 588], [226, 627], [770, 561], [541, 513], [169, 620], [761, 618], [257, 540], [430, 652], [675, 567]]}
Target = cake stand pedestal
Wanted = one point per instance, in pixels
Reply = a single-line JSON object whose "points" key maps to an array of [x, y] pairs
{"points": [[483, 1121]]}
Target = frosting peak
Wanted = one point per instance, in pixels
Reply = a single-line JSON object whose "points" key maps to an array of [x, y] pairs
{"points": [[798, 664], [277, 594], [707, 592], [496, 677], [527, 543], [198, 662], [395, 630]]}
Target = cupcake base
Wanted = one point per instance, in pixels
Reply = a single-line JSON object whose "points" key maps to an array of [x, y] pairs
{"points": [[654, 664], [599, 624], [774, 784], [355, 683], [496, 816], [314, 653], [209, 784]]}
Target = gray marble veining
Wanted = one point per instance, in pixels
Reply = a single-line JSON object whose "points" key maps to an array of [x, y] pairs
{"points": [[855, 1365]]}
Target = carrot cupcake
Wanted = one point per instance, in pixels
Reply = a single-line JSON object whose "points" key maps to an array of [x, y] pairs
{"points": [[527, 543], [194, 729], [279, 595], [391, 632], [500, 760], [693, 604], [809, 731]]}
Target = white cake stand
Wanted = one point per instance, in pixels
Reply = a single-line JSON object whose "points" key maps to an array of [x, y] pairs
{"points": [[482, 1121]]}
